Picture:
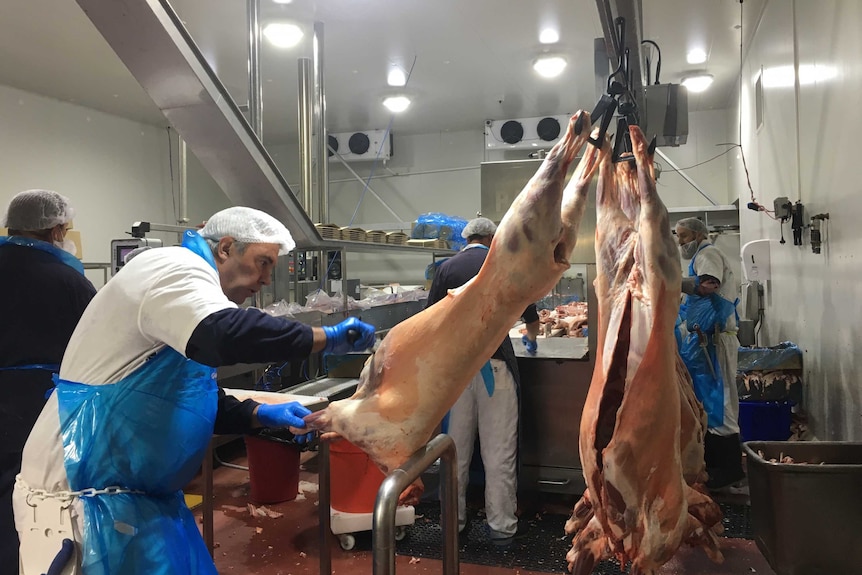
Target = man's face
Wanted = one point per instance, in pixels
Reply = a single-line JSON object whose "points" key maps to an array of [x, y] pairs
{"points": [[685, 235], [242, 274]]}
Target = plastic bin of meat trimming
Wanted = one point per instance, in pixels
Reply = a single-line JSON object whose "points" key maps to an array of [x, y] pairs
{"points": [[806, 515]]}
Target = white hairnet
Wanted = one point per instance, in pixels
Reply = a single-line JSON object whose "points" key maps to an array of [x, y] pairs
{"points": [[479, 227], [249, 226], [34, 210], [693, 224]]}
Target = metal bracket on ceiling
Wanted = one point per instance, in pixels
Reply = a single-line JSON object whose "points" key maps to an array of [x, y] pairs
{"points": [[624, 85]]}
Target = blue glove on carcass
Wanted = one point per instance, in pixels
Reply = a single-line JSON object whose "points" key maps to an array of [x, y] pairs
{"points": [[349, 335], [285, 415], [531, 344]]}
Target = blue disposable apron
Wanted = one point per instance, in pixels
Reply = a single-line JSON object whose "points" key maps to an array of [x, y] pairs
{"points": [[46, 247], [709, 314], [486, 370], [147, 434]]}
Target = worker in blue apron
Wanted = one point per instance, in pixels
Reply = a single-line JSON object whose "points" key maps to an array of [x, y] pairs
{"points": [[43, 293], [710, 346], [489, 404], [136, 400]]}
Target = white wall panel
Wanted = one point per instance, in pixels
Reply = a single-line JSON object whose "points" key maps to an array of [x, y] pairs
{"points": [[812, 299], [114, 170]]}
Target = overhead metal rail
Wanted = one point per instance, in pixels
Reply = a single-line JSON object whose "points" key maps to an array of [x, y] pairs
{"points": [[632, 12]]}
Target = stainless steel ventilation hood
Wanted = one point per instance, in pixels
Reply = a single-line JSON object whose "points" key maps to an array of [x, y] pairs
{"points": [[152, 42]]}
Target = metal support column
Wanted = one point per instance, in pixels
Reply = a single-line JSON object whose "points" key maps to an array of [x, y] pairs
{"points": [[383, 536], [322, 147], [255, 93], [306, 151], [306, 112], [183, 217], [207, 511], [255, 98], [324, 529], [320, 128], [342, 257]]}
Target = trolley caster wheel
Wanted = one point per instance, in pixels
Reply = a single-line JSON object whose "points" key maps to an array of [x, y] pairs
{"points": [[347, 541], [400, 532]]}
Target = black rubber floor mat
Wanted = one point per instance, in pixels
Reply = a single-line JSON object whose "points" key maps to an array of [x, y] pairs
{"points": [[542, 548]]}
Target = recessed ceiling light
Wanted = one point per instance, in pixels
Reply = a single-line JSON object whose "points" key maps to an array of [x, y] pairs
{"points": [[697, 83], [549, 36], [283, 35], [397, 103], [696, 56], [282, 1], [550, 66], [396, 77]]}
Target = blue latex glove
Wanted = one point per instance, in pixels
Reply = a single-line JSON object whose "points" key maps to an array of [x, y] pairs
{"points": [[531, 344], [285, 415], [349, 335]]}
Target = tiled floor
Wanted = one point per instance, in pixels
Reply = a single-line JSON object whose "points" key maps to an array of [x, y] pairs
{"points": [[288, 545]]}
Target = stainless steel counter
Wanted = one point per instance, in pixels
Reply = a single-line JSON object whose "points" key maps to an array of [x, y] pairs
{"points": [[575, 348], [553, 393]]}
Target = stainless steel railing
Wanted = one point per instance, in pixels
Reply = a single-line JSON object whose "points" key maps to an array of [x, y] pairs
{"points": [[383, 522], [383, 534]]}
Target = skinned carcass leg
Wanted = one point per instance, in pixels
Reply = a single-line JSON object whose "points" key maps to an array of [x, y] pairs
{"points": [[641, 435], [426, 361]]}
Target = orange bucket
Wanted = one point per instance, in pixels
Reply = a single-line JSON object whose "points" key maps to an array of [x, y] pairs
{"points": [[273, 470], [354, 478]]}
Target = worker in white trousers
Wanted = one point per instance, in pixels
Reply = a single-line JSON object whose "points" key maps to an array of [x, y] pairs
{"points": [[498, 431], [489, 405]]}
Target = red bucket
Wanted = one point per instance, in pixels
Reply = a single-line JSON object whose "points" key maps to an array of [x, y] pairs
{"points": [[355, 479], [273, 470]]}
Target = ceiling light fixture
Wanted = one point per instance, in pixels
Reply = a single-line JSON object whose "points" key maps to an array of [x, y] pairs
{"points": [[696, 56], [282, 1], [550, 66], [697, 83], [549, 36], [397, 104], [396, 77], [283, 35]]}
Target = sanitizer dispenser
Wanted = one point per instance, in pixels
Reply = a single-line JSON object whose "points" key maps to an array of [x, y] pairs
{"points": [[755, 260]]}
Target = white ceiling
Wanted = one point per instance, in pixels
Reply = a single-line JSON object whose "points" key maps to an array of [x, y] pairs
{"points": [[472, 57]]}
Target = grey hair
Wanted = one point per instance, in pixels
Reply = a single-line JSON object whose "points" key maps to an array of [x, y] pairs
{"points": [[694, 224], [213, 244]]}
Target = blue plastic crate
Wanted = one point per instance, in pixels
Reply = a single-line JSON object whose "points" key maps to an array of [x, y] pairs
{"points": [[764, 420]]}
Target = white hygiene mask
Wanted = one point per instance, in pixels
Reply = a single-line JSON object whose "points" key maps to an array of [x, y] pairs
{"points": [[688, 250], [67, 245]]}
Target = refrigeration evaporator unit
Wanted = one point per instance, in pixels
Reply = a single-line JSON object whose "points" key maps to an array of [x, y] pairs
{"points": [[525, 133], [361, 146]]}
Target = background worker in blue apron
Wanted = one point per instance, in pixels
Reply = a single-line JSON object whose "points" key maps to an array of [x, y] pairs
{"points": [[43, 293], [490, 401], [710, 348], [136, 401]]}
